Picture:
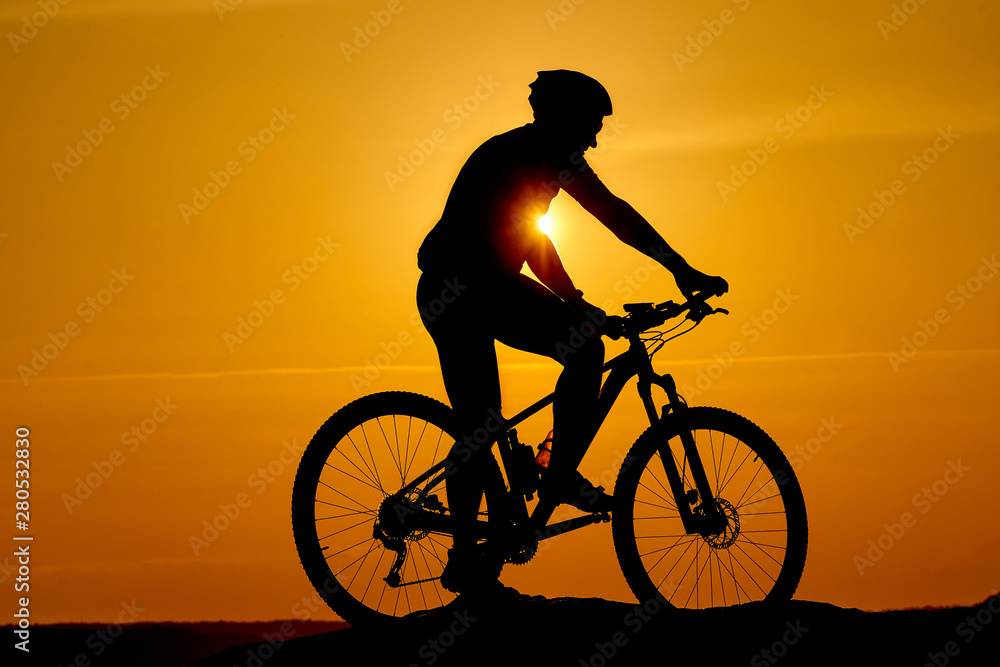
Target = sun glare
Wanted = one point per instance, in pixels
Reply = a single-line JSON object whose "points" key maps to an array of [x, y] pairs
{"points": [[545, 223]]}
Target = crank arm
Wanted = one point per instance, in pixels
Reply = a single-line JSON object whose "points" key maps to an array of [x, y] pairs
{"points": [[566, 526]]}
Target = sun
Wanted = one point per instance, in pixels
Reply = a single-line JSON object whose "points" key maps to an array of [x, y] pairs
{"points": [[545, 224]]}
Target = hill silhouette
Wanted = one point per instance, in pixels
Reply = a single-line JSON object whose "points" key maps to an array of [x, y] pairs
{"points": [[146, 644], [575, 632], [592, 632]]}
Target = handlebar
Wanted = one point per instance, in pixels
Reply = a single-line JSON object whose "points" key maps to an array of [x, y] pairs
{"points": [[643, 316]]}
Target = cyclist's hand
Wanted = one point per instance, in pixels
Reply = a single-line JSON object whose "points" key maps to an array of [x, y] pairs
{"points": [[592, 316], [690, 280], [613, 327]]}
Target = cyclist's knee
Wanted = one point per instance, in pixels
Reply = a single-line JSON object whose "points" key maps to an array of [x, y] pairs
{"points": [[478, 430], [584, 352]]}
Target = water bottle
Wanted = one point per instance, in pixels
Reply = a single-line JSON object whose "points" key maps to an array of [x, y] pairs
{"points": [[544, 453]]}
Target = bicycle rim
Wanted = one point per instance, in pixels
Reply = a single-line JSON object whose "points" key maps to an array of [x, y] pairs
{"points": [[365, 453], [761, 553]]}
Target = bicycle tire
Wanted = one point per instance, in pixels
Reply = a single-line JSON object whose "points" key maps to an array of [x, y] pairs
{"points": [[359, 431], [644, 508]]}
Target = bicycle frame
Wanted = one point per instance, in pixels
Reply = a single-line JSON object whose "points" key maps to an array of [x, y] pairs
{"points": [[703, 518]]}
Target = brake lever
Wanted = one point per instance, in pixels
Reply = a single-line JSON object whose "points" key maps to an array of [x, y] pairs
{"points": [[704, 311]]}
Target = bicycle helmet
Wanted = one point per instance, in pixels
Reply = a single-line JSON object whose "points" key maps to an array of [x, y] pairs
{"points": [[563, 94]]}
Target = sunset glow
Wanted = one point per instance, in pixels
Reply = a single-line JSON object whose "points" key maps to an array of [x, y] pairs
{"points": [[211, 213]]}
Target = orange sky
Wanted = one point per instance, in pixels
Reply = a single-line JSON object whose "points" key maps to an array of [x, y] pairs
{"points": [[289, 136]]}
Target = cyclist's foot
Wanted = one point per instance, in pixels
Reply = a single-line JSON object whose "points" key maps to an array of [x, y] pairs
{"points": [[573, 489], [492, 593], [471, 570]]}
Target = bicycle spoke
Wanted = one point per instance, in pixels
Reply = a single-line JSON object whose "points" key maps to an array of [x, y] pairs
{"points": [[361, 558], [777, 495], [406, 589], [361, 456], [668, 506], [722, 583], [676, 562], [773, 530], [349, 509], [371, 454], [342, 472], [381, 595], [360, 471], [733, 476], [754, 561], [440, 544], [772, 546], [416, 448], [697, 578], [684, 576], [738, 502], [656, 478], [341, 516], [366, 509], [778, 562], [416, 569], [372, 578], [343, 529], [675, 544], [659, 507], [423, 556], [363, 563], [406, 451], [732, 571], [388, 446]]}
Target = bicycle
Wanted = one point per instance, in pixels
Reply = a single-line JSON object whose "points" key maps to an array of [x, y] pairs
{"points": [[371, 530]]}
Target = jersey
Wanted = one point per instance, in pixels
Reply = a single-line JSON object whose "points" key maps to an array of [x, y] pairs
{"points": [[489, 224]]}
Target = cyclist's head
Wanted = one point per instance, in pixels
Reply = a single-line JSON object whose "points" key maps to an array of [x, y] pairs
{"points": [[571, 102]]}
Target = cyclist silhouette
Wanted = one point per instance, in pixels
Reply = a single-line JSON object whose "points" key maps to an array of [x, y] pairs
{"points": [[472, 293]]}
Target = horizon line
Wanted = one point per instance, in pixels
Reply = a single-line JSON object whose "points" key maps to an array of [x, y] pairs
{"points": [[195, 375]]}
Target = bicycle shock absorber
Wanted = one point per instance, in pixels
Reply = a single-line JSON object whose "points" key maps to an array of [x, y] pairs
{"points": [[704, 517]]}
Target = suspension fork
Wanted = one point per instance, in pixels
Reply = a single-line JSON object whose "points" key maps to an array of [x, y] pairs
{"points": [[697, 507]]}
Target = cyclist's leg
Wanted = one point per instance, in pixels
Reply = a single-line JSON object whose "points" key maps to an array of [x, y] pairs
{"points": [[468, 360], [529, 317]]}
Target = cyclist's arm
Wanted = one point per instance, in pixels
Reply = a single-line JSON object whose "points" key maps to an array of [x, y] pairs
{"points": [[544, 262], [624, 221]]}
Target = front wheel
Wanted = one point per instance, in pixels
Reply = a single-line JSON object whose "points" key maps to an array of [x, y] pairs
{"points": [[761, 552]]}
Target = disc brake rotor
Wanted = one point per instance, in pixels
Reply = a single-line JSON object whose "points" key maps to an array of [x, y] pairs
{"points": [[728, 536]]}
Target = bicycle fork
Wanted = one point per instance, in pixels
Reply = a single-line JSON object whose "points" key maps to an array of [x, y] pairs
{"points": [[697, 507]]}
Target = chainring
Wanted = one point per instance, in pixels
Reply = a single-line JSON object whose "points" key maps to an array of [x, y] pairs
{"points": [[522, 554]]}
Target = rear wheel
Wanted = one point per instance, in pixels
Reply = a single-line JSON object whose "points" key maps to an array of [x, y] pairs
{"points": [[349, 524], [760, 555]]}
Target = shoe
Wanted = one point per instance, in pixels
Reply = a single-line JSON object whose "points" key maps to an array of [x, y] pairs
{"points": [[471, 570], [572, 488]]}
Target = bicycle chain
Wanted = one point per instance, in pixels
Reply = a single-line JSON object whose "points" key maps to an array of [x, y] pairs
{"points": [[418, 581]]}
